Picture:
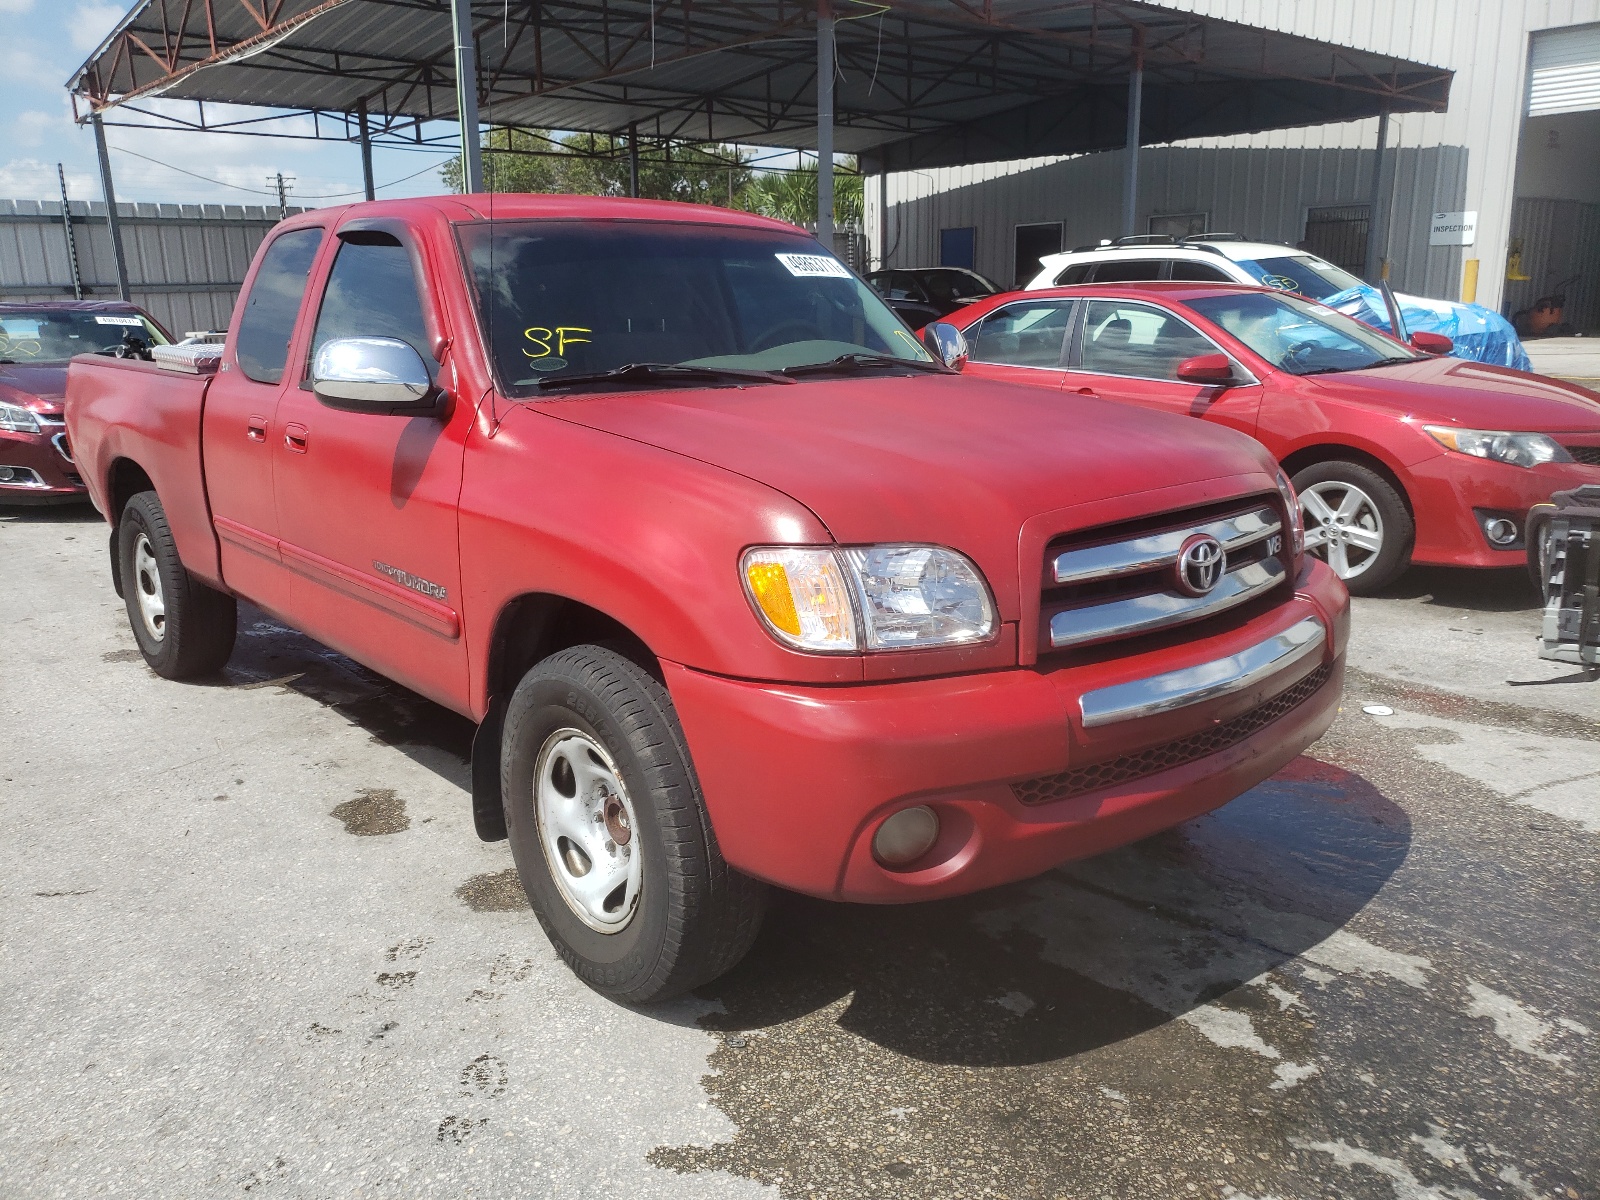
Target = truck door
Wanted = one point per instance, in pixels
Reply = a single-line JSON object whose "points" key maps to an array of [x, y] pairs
{"points": [[367, 501], [1024, 342], [1130, 350], [237, 427]]}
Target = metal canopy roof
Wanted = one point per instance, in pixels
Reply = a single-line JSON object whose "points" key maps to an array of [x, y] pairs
{"points": [[921, 82]]}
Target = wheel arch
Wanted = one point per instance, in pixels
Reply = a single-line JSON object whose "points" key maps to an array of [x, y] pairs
{"points": [[529, 628], [1309, 456], [125, 479]]}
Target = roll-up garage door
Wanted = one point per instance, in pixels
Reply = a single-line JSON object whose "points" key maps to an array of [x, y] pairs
{"points": [[1564, 71]]}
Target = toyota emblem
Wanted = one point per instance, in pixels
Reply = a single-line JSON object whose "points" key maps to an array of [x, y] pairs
{"points": [[1201, 563]]}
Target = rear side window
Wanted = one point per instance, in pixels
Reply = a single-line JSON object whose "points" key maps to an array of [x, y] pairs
{"points": [[1076, 273], [1129, 270], [1198, 272], [274, 302], [372, 292], [1024, 335]]}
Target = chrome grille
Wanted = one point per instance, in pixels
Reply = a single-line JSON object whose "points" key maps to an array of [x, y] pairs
{"points": [[1128, 586], [1128, 767]]}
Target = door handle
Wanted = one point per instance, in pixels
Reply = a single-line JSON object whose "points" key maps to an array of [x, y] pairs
{"points": [[294, 437], [1088, 392], [256, 429]]}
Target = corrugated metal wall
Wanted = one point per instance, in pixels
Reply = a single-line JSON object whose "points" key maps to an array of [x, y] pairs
{"points": [[1261, 184], [185, 261]]}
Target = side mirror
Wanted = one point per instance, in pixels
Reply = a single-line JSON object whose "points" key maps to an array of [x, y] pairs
{"points": [[373, 375], [947, 343], [1206, 368], [1431, 343]]}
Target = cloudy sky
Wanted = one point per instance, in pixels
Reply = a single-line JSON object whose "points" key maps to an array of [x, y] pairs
{"points": [[47, 40]]}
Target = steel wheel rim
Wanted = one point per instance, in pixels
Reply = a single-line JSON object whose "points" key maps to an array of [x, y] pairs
{"points": [[587, 830], [1343, 526], [147, 588]]}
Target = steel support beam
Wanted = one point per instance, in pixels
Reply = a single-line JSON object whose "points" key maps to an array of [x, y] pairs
{"points": [[66, 229], [467, 96], [112, 219], [1130, 183], [633, 159], [825, 70], [1377, 208], [366, 153]]}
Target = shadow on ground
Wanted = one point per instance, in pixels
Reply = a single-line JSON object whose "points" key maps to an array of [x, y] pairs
{"points": [[1468, 589]]}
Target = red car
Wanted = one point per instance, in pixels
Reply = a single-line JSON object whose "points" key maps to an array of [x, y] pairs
{"points": [[741, 584], [36, 340], [1399, 455]]}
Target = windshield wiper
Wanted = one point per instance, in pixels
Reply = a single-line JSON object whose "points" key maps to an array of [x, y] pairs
{"points": [[1391, 361], [864, 362], [660, 373], [1382, 362]]}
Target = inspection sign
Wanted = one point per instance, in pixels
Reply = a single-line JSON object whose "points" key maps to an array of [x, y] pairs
{"points": [[1453, 229]]}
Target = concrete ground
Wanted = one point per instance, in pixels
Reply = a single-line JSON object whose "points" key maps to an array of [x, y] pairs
{"points": [[1574, 358], [249, 944]]}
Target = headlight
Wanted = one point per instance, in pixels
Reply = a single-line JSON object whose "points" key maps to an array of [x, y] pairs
{"points": [[1297, 519], [17, 419], [1518, 449], [868, 597]]}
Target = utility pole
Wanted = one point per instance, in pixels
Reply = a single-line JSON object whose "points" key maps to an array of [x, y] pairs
{"points": [[111, 207], [825, 69], [283, 195], [369, 191], [66, 226], [466, 54]]}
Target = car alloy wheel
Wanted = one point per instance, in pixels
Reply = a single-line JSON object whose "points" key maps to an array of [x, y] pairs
{"points": [[1343, 526], [586, 828], [147, 589]]}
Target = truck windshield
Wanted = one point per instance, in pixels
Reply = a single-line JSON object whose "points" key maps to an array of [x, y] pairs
{"points": [[559, 297], [1297, 336], [53, 335]]}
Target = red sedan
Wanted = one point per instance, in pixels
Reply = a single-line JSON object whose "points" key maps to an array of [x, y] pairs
{"points": [[36, 341], [1399, 455]]}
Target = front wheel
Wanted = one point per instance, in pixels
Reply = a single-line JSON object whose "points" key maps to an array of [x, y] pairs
{"points": [[184, 627], [1356, 522], [610, 835]]}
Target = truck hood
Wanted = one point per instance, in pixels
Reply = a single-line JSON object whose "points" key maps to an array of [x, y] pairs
{"points": [[37, 388], [926, 458], [1473, 395]]}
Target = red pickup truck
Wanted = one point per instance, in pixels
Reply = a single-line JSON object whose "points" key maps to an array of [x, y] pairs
{"points": [[742, 584]]}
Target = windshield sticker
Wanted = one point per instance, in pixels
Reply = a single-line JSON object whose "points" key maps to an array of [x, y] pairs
{"points": [[545, 366], [1282, 282], [819, 265], [552, 342], [135, 322]]}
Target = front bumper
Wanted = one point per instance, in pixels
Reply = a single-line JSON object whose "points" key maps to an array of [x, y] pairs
{"points": [[797, 779], [1445, 491], [41, 467]]}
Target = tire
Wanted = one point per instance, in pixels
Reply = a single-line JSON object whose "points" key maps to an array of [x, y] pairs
{"points": [[184, 628], [665, 913], [1356, 522]]}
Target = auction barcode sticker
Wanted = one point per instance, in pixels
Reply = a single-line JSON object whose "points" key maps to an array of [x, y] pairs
{"points": [[815, 264], [133, 321]]}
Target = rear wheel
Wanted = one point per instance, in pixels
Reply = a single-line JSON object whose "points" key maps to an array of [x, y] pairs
{"points": [[184, 627], [610, 834], [1356, 522]]}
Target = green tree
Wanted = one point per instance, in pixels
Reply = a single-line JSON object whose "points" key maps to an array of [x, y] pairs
{"points": [[792, 195]]}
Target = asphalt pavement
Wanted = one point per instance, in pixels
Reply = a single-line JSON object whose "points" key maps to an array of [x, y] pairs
{"points": [[249, 944]]}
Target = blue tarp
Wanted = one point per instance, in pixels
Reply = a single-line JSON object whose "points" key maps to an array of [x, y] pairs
{"points": [[1479, 334]]}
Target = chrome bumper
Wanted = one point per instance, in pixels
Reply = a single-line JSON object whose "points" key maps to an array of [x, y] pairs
{"points": [[1209, 681]]}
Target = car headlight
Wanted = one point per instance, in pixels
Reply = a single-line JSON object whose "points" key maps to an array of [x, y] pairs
{"points": [[894, 597], [1518, 449], [16, 419], [1297, 519]]}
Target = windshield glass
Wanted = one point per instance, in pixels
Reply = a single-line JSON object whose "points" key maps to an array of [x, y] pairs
{"points": [[1300, 273], [579, 297], [53, 335], [1297, 336]]}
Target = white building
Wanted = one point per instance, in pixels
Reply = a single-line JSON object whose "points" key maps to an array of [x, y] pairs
{"points": [[1519, 148]]}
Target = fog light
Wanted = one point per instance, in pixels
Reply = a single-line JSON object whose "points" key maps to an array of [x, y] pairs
{"points": [[906, 836], [6, 472], [1500, 530]]}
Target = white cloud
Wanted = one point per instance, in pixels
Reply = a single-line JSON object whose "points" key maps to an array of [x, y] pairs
{"points": [[91, 22], [15, 7], [22, 65], [30, 179], [29, 128]]}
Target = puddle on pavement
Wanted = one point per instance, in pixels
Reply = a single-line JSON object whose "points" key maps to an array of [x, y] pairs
{"points": [[500, 891], [373, 813], [121, 656]]}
